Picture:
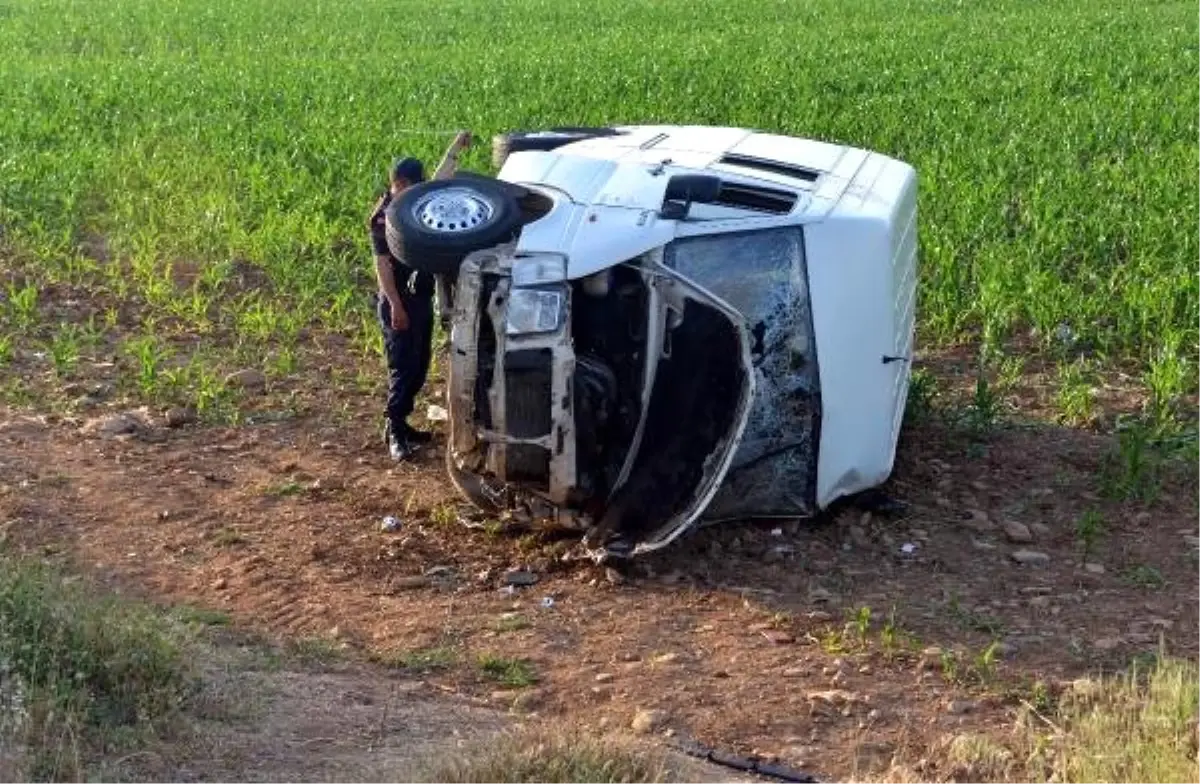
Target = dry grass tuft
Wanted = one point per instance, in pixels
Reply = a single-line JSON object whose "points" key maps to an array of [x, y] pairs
{"points": [[546, 754], [1140, 726]]}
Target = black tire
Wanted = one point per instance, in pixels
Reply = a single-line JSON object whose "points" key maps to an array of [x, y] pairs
{"points": [[505, 144], [440, 251]]}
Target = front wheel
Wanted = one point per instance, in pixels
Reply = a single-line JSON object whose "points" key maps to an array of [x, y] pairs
{"points": [[434, 225]]}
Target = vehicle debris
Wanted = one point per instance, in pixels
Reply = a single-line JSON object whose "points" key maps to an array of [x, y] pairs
{"points": [[409, 583], [752, 764], [613, 576], [520, 578]]}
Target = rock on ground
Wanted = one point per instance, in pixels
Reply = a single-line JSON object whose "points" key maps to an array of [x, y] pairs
{"points": [[1018, 533], [647, 721], [520, 577], [250, 378], [124, 423], [178, 416]]}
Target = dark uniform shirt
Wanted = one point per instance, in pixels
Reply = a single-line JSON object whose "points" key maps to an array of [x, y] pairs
{"points": [[409, 282]]}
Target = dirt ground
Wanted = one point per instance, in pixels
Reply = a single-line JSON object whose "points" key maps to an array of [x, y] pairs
{"points": [[738, 636], [332, 720]]}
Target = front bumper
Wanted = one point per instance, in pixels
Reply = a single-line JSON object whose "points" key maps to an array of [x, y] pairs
{"points": [[510, 402]]}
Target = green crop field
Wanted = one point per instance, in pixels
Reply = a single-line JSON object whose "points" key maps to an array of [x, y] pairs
{"points": [[184, 188], [155, 152]]}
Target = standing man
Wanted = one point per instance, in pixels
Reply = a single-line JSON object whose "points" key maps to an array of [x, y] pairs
{"points": [[405, 308]]}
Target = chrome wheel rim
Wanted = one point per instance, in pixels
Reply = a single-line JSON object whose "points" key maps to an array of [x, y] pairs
{"points": [[453, 210]]}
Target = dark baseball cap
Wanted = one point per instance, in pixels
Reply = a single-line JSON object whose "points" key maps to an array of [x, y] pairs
{"points": [[408, 169]]}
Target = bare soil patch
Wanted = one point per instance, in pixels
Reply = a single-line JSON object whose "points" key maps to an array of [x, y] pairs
{"points": [[750, 637]]}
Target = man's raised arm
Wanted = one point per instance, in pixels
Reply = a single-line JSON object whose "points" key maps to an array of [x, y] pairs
{"points": [[449, 164]]}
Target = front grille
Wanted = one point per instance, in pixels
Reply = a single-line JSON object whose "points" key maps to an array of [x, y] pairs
{"points": [[528, 376]]}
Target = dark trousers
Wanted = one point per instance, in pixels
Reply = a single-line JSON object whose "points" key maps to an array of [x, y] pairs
{"points": [[408, 353]]}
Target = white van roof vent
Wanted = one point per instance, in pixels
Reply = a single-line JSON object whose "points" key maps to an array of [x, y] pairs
{"points": [[774, 167], [756, 197]]}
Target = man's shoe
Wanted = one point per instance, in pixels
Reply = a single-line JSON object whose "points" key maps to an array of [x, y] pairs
{"points": [[400, 448], [399, 445]]}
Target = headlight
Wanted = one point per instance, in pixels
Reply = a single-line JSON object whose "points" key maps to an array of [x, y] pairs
{"points": [[539, 270], [531, 311]]}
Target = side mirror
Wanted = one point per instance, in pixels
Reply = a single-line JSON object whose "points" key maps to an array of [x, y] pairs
{"points": [[693, 187], [684, 189]]}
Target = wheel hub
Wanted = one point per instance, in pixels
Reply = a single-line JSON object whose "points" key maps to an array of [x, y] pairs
{"points": [[453, 210]]}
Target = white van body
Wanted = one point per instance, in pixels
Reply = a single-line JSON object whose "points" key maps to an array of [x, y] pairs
{"points": [[808, 253]]}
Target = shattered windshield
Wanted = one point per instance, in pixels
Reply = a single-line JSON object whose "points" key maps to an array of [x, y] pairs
{"points": [[763, 275]]}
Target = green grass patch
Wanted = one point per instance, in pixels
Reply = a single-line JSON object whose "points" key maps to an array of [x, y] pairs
{"points": [[1143, 576], [1145, 453], [288, 488], [511, 622], [314, 650], [419, 660], [972, 620], [1075, 397], [228, 537], [22, 305], [1088, 529], [1137, 726], [64, 349], [201, 616], [444, 514], [514, 673], [81, 675], [1141, 726], [213, 183]]}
